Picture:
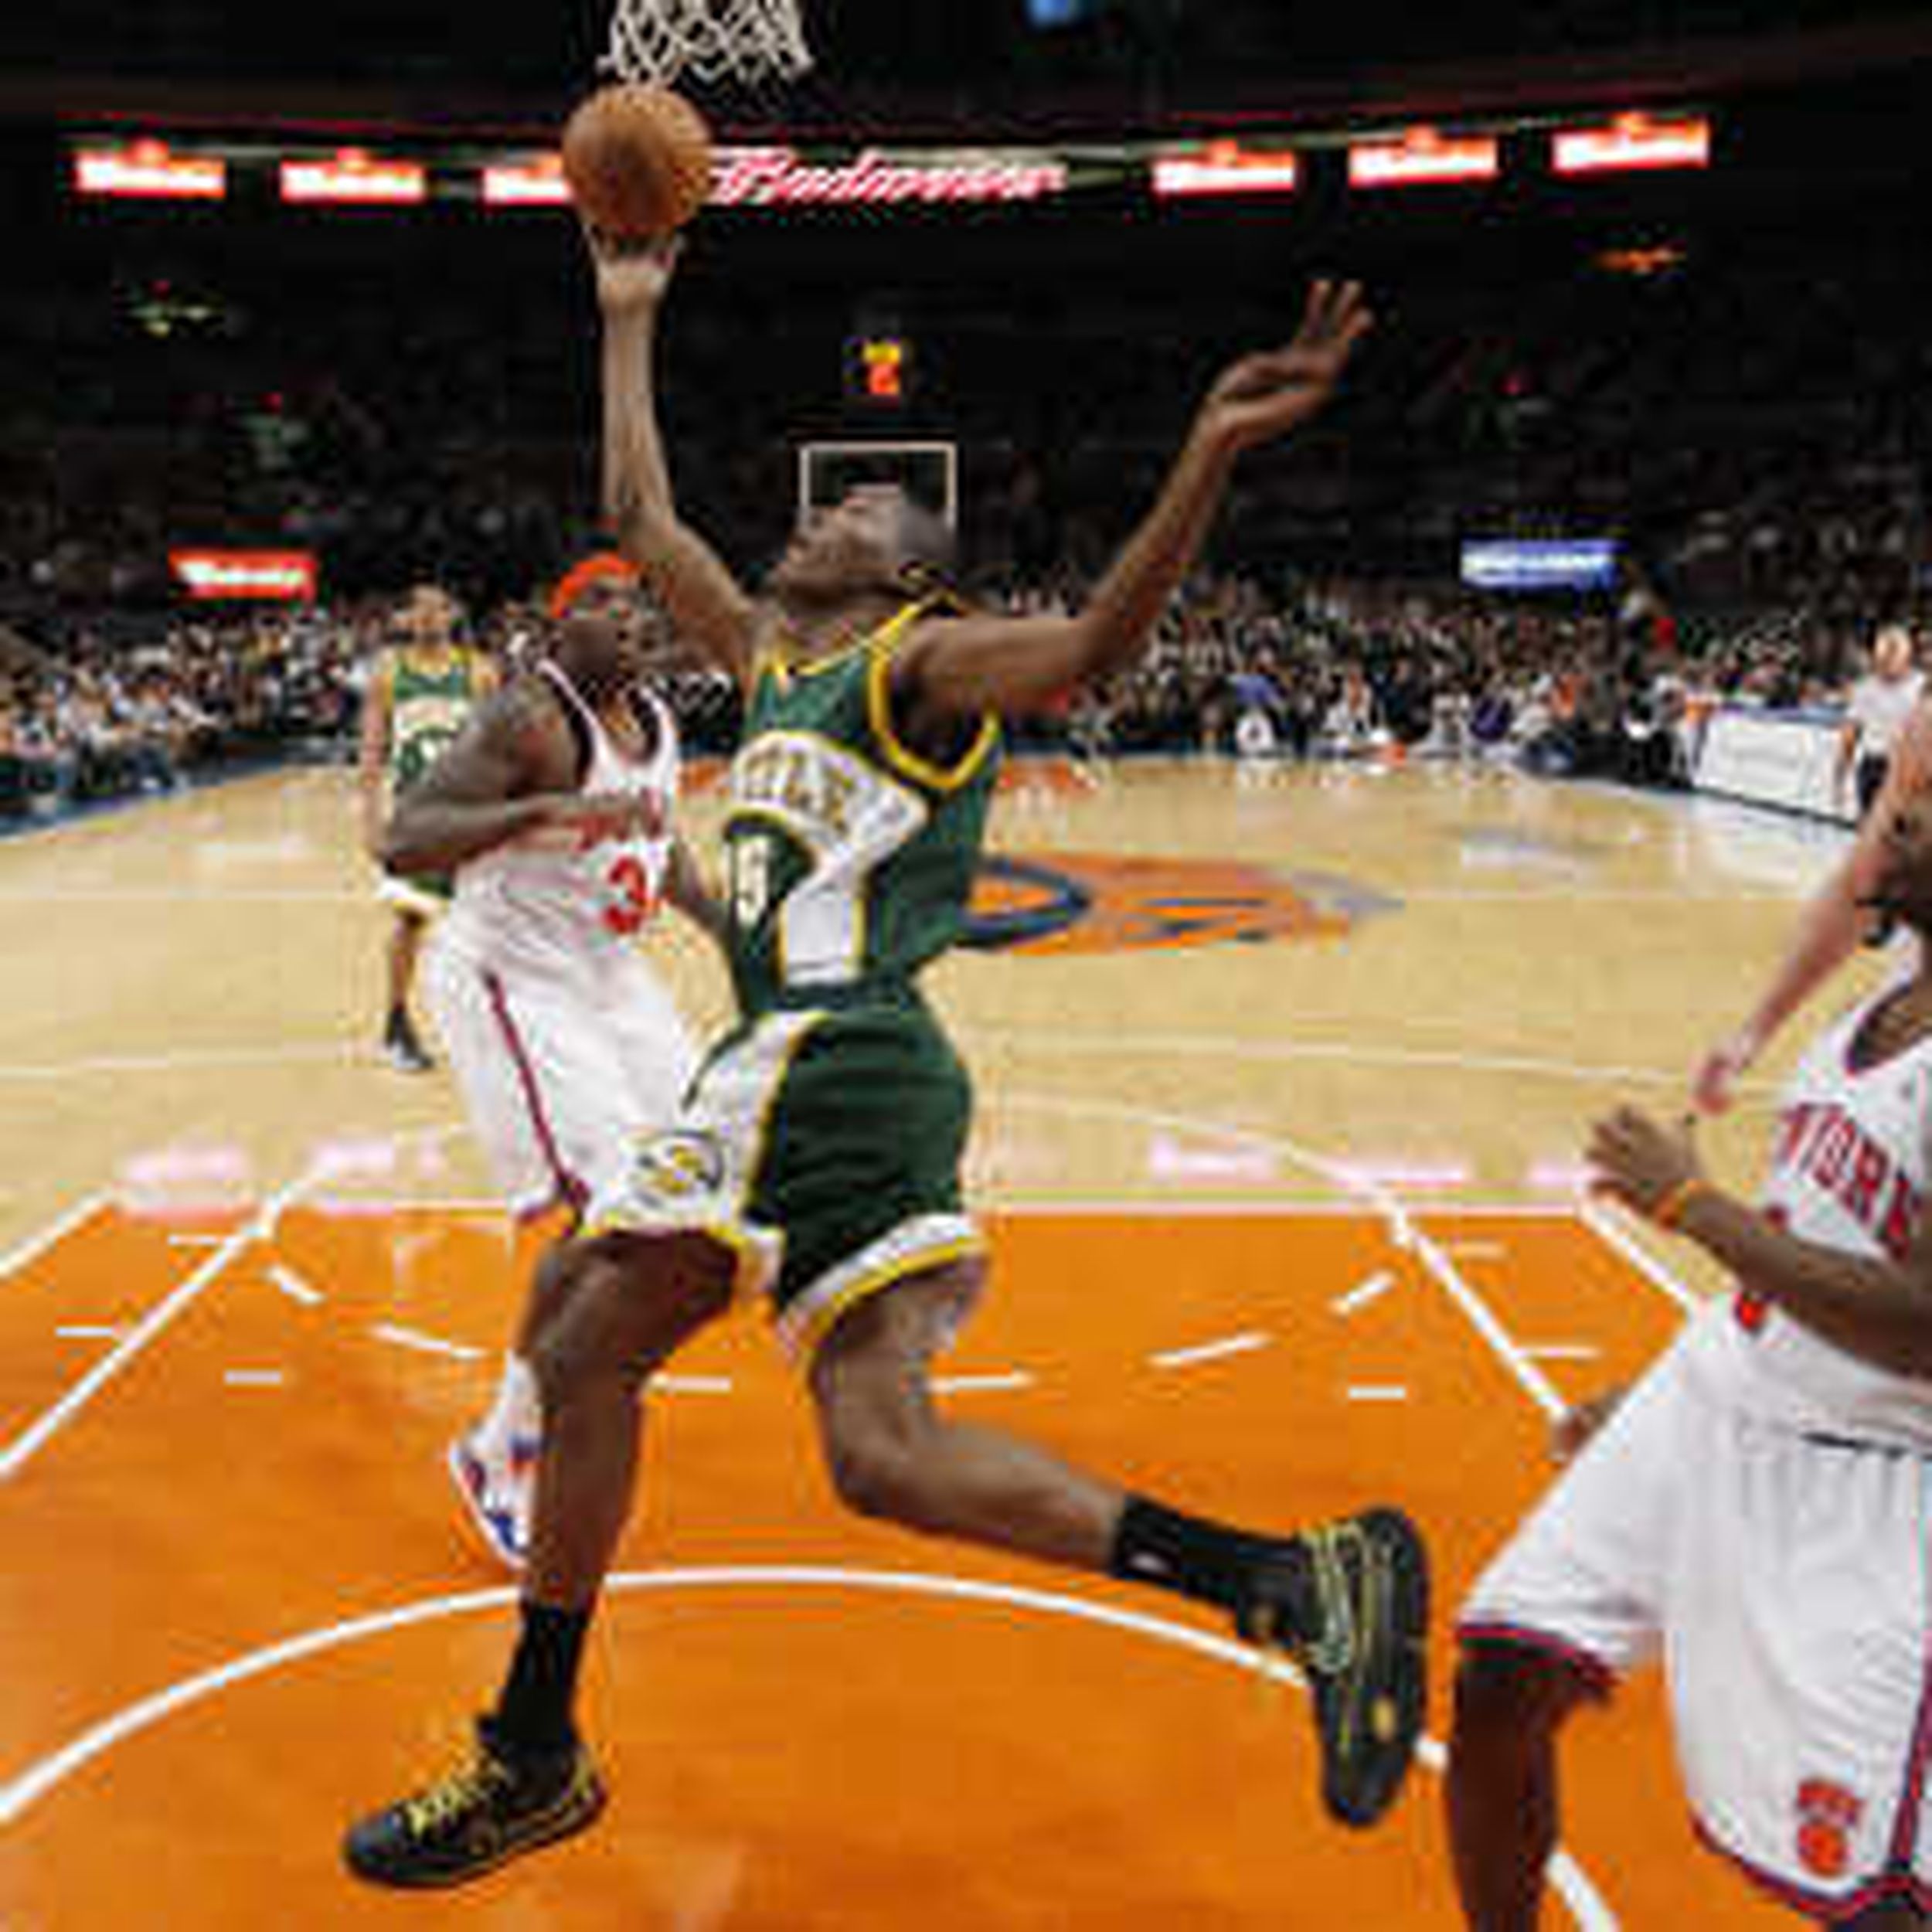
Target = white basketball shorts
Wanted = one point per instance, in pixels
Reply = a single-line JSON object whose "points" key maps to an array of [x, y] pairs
{"points": [[1783, 1580], [558, 1080]]}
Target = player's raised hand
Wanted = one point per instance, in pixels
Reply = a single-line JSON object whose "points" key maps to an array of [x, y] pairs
{"points": [[632, 276], [1716, 1083], [1268, 394]]}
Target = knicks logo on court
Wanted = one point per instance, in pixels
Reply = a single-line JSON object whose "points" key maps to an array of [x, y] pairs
{"points": [[1827, 1814], [1072, 903]]}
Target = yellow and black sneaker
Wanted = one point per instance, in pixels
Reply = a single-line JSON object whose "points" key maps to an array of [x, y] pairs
{"points": [[1350, 1603], [488, 1812]]}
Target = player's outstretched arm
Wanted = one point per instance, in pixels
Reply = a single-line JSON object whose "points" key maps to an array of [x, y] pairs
{"points": [[707, 603], [508, 773], [954, 666], [1829, 927], [1879, 1310]]}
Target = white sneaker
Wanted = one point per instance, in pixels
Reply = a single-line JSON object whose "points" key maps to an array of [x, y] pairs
{"points": [[499, 1489]]}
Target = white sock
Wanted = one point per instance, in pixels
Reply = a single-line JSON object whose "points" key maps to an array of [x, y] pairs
{"points": [[516, 1411]]}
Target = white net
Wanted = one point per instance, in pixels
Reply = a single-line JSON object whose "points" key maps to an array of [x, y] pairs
{"points": [[658, 40]]}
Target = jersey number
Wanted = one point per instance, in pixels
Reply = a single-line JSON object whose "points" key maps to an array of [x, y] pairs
{"points": [[750, 881], [633, 902]]}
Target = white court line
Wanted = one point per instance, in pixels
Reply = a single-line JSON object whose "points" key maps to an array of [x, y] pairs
{"points": [[1482, 1318], [425, 1344], [1370, 1392], [195, 1241], [692, 1385], [254, 1378], [184, 895], [1351, 1053], [1562, 1351], [1586, 1903], [285, 1281], [24, 1253], [962, 1385], [89, 1331], [1606, 1228], [1210, 1351], [1403, 1230], [1635, 895], [1275, 1206], [345, 1053], [16, 1454], [1357, 1298]]}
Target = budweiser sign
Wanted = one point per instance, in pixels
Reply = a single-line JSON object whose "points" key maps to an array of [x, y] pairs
{"points": [[1633, 142], [284, 576], [775, 177], [147, 171]]}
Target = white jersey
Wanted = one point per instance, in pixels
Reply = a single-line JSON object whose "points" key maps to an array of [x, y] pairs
{"points": [[1848, 1172], [546, 905]]}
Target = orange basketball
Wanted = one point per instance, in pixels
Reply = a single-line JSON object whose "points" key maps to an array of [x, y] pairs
{"points": [[637, 159]]}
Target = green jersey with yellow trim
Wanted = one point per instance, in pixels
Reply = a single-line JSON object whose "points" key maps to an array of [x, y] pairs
{"points": [[430, 694], [851, 857]]}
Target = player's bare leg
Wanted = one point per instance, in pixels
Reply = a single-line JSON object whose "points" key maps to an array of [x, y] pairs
{"points": [[1349, 1601], [634, 1301], [1501, 1788], [891, 1453], [623, 1305]]}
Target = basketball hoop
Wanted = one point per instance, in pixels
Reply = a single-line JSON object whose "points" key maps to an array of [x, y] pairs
{"points": [[656, 41]]}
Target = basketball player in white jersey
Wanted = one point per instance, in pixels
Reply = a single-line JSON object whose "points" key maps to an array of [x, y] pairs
{"points": [[554, 811], [1757, 1509]]}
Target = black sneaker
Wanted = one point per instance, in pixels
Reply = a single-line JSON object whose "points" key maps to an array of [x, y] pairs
{"points": [[403, 1049], [1354, 1614], [481, 1816]]}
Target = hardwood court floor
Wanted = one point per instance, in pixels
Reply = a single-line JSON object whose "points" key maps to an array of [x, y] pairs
{"points": [[1280, 1228]]}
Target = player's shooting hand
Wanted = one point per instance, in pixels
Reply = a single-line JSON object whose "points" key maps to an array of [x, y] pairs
{"points": [[632, 276], [1266, 395], [1640, 1161]]}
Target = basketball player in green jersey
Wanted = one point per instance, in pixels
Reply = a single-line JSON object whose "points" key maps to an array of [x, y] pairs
{"points": [[419, 693], [815, 1165]]}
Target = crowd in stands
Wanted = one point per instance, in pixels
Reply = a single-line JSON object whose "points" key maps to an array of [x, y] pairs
{"points": [[1327, 669], [1754, 427]]}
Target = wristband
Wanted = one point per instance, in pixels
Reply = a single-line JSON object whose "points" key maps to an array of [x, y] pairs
{"points": [[1669, 1212]]}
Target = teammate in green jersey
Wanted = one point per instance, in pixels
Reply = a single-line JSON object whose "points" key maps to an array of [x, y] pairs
{"points": [[421, 690], [815, 1167]]}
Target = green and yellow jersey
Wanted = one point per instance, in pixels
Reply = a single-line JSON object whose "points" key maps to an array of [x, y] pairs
{"points": [[431, 693], [851, 857]]}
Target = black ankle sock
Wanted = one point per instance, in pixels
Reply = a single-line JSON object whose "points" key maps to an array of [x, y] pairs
{"points": [[533, 1714], [1207, 1561]]}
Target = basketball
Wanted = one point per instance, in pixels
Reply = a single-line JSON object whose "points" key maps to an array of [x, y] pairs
{"points": [[638, 160]]}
